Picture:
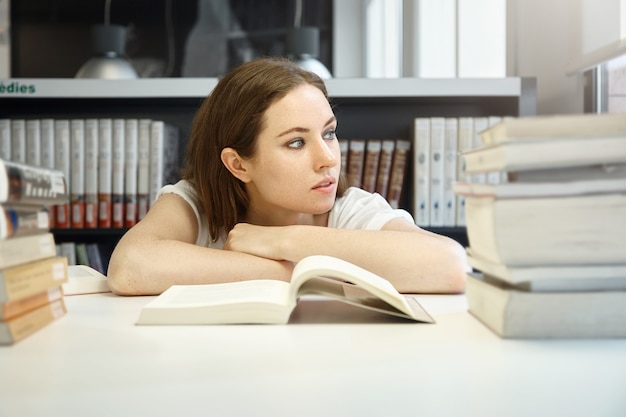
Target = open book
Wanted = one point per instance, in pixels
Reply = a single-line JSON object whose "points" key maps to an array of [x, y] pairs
{"points": [[272, 301], [83, 279]]}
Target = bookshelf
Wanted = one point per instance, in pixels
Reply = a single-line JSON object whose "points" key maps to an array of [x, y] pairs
{"points": [[365, 108]]}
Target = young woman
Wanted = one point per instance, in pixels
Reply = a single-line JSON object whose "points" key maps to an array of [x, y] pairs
{"points": [[261, 189]]}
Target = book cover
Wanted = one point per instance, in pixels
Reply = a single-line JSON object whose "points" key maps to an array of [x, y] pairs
{"points": [[343, 148], [91, 173], [143, 168], [421, 163], [47, 159], [480, 124], [18, 140], [553, 127], [450, 170], [465, 143], [26, 184], [541, 278], [164, 142], [561, 230], [272, 301], [18, 328], [32, 277], [437, 143], [33, 142], [5, 139], [494, 177], [62, 162], [399, 165], [17, 307], [23, 249], [372, 157], [131, 170], [105, 172], [77, 173], [515, 313], [118, 171], [548, 154], [356, 162], [23, 220], [384, 166]]}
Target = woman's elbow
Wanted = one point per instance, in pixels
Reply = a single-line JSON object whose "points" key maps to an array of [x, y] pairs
{"points": [[121, 277]]}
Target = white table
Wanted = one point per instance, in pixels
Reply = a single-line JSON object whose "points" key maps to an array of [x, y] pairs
{"points": [[96, 362]]}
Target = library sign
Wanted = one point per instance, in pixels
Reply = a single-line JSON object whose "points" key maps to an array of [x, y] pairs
{"points": [[15, 87]]}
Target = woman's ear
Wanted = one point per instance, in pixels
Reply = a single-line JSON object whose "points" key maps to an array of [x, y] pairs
{"points": [[235, 164]]}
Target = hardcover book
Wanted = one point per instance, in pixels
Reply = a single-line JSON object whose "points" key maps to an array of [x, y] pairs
{"points": [[516, 313]]}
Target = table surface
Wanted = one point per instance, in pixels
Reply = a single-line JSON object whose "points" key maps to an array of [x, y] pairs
{"points": [[331, 360]]}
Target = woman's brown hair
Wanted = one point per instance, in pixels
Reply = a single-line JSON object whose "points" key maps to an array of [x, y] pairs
{"points": [[232, 117]]}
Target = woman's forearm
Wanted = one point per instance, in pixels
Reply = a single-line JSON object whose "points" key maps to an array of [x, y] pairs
{"points": [[149, 267]]}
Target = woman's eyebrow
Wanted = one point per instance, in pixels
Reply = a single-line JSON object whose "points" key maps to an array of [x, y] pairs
{"points": [[304, 130]]}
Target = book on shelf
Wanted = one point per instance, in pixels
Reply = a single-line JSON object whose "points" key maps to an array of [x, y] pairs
{"points": [[516, 313], [83, 279], [450, 151], [5, 139], [399, 165], [105, 172], [23, 220], [601, 277], [18, 140], [437, 141], [47, 158], [373, 149], [272, 301], [21, 249], [164, 144], [548, 230], [464, 144], [33, 142], [356, 162], [77, 173], [30, 278], [480, 124], [143, 168], [26, 184], [20, 306], [18, 328], [130, 175], [421, 164], [62, 162], [117, 165], [384, 166], [91, 149]]}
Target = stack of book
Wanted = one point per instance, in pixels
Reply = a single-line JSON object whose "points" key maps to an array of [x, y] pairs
{"points": [[549, 243], [31, 275]]}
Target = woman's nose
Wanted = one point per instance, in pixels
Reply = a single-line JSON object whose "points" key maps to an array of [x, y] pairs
{"points": [[325, 154]]}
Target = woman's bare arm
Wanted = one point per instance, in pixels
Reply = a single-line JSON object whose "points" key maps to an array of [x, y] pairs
{"points": [[413, 259], [160, 251]]}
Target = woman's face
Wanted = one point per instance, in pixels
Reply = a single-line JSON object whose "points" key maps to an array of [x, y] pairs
{"points": [[296, 166]]}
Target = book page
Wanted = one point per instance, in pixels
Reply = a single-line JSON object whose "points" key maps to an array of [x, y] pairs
{"points": [[82, 279], [354, 295], [254, 301], [325, 266]]}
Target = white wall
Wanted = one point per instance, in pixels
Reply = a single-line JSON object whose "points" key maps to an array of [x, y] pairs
{"points": [[545, 38], [548, 38]]}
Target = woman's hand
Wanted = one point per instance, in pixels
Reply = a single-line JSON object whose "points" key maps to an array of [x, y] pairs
{"points": [[263, 241]]}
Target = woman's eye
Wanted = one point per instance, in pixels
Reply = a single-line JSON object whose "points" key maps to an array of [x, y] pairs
{"points": [[331, 134], [296, 144]]}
